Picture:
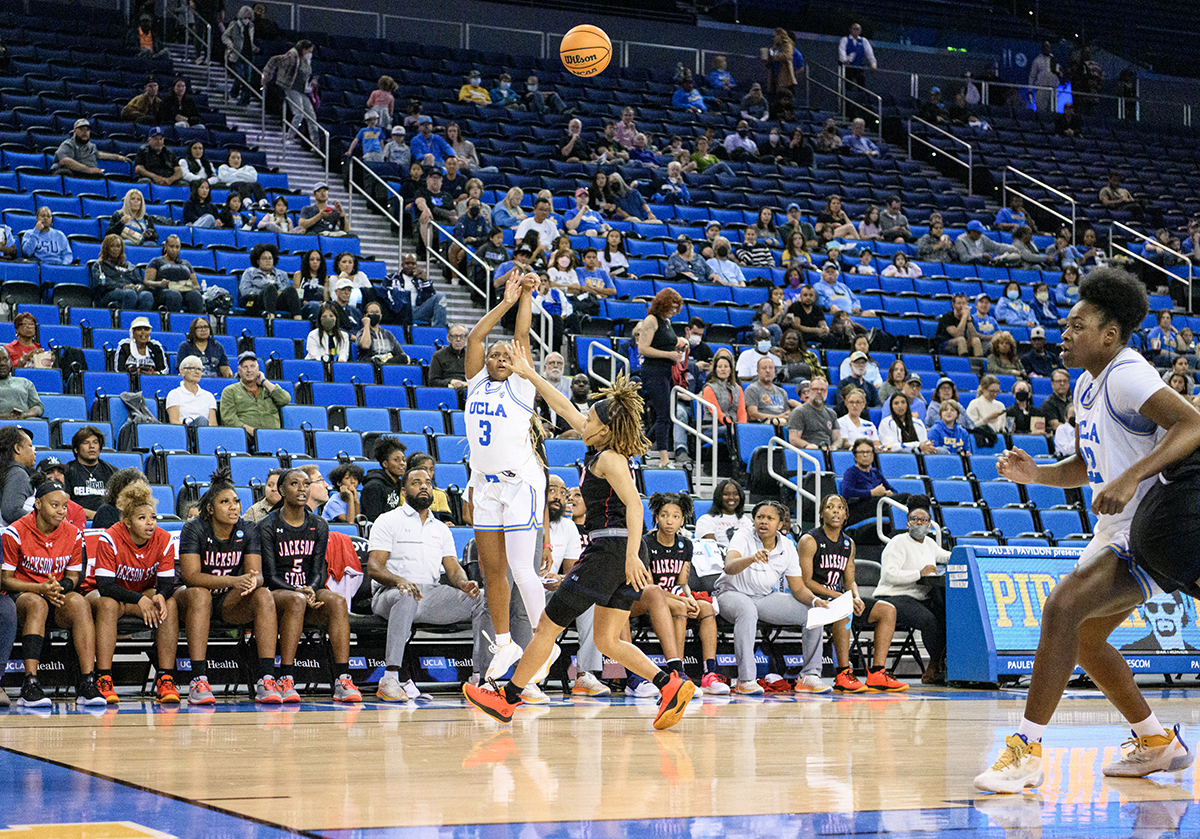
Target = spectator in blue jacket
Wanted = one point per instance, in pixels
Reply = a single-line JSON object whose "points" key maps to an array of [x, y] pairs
{"points": [[857, 140], [688, 98], [1013, 216], [1066, 293], [1044, 309], [947, 436], [986, 324], [426, 142], [503, 94], [1012, 310], [719, 78], [44, 243], [834, 295]]}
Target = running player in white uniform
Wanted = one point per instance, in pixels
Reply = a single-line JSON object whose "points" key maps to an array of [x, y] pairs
{"points": [[1129, 427], [508, 483]]}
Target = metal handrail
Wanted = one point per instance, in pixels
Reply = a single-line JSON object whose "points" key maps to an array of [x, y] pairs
{"points": [[884, 501], [798, 485], [701, 484], [397, 219], [592, 349], [1161, 269], [254, 89], [295, 126], [843, 97], [205, 40], [970, 162], [1005, 189], [487, 269]]}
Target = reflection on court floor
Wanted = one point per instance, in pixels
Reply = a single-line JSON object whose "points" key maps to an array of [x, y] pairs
{"points": [[862, 766]]}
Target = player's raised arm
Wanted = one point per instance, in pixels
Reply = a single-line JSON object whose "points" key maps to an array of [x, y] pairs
{"points": [[476, 349], [525, 311], [522, 364]]}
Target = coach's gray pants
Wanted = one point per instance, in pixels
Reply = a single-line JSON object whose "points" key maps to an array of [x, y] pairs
{"points": [[439, 604], [777, 609]]}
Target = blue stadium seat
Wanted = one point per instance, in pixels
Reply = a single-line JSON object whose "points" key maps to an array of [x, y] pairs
{"points": [[1044, 497], [354, 372], [999, 494], [208, 440], [385, 396], [64, 407], [951, 492], [1062, 523], [983, 467], [898, 464], [334, 443], [271, 440], [244, 469], [196, 466], [751, 436], [944, 466], [1034, 444], [1012, 522], [413, 421], [44, 381], [451, 474], [38, 430], [665, 480], [453, 448], [564, 452], [294, 368], [368, 419], [169, 437], [435, 398], [963, 521], [395, 375], [296, 415], [164, 496], [333, 393]]}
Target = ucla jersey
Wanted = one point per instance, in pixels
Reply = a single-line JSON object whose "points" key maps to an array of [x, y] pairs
{"points": [[497, 418], [1112, 434]]}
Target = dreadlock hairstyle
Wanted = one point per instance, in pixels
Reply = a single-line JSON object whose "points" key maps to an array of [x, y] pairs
{"points": [[785, 515], [136, 494], [680, 499], [621, 409], [219, 481]]}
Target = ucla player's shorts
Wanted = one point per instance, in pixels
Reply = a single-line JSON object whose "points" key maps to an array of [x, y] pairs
{"points": [[1116, 539], [507, 503]]}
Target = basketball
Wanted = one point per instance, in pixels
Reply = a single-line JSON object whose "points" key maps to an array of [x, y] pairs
{"points": [[585, 50]]}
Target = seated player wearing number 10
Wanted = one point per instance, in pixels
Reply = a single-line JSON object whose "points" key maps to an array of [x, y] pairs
{"points": [[1129, 427]]}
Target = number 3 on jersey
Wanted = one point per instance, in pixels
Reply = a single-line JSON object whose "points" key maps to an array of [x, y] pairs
{"points": [[1094, 477], [485, 438]]}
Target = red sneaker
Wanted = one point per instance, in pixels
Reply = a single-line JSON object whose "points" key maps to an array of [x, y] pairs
{"points": [[846, 683], [675, 696], [492, 703], [105, 685], [165, 690], [882, 680]]}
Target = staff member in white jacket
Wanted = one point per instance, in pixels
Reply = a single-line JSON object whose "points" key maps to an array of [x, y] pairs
{"points": [[906, 559]]}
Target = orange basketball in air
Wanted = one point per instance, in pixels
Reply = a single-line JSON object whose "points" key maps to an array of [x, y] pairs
{"points": [[585, 50]]}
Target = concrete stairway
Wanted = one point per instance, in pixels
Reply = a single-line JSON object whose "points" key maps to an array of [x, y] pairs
{"points": [[305, 168]]}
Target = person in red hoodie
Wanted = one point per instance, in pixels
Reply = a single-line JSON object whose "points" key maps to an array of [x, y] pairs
{"points": [[43, 559], [53, 469], [134, 574]]}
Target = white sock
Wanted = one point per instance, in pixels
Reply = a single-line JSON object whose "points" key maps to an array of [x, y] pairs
{"points": [[1031, 731], [1148, 727], [503, 638]]}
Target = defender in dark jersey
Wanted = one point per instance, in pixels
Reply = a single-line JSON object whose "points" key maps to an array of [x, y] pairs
{"points": [[611, 572], [293, 541], [669, 557], [221, 564], [827, 563]]}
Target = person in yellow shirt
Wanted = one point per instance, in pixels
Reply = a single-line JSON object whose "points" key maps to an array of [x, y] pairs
{"points": [[474, 92]]}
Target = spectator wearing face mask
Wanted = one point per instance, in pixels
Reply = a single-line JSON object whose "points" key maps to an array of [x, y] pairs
{"points": [[747, 363], [1023, 417], [473, 91], [503, 94], [726, 270]]}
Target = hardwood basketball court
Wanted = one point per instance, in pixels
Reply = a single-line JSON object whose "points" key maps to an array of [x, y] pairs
{"points": [[805, 766]]}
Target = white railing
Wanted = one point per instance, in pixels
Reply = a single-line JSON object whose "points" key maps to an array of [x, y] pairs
{"points": [[386, 212], [432, 253], [1170, 276], [882, 515], [1005, 188], [593, 349], [969, 163], [839, 78], [321, 151], [255, 89], [802, 457], [702, 483], [203, 38]]}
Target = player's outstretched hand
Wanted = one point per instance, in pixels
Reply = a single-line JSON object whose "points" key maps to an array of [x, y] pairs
{"points": [[520, 360], [530, 281], [1017, 465], [513, 287], [636, 573]]}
